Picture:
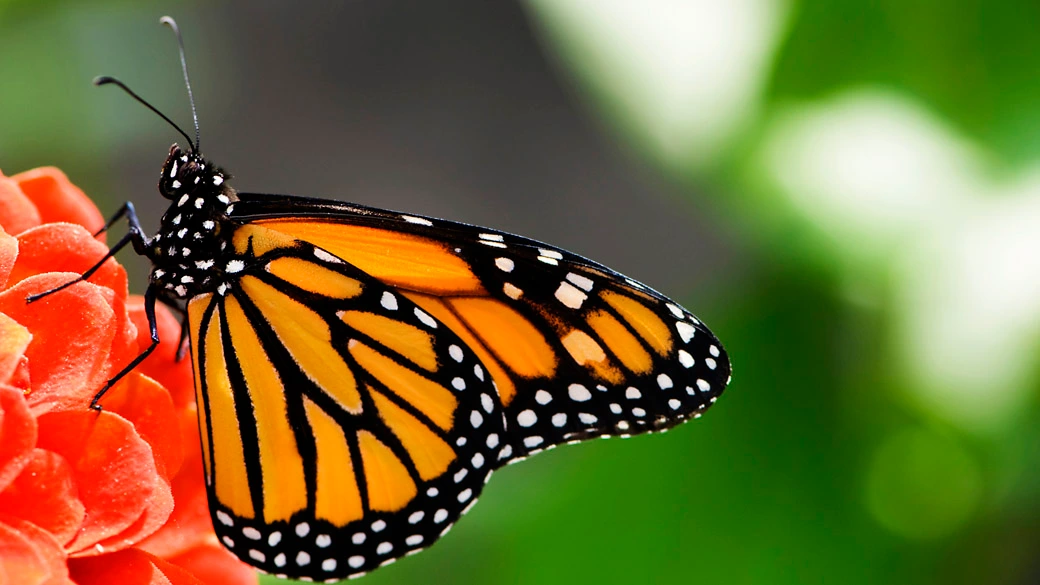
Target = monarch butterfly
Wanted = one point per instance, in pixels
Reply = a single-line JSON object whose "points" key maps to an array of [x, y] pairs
{"points": [[360, 373]]}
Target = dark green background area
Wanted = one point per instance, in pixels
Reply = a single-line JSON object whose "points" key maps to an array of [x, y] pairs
{"points": [[462, 109]]}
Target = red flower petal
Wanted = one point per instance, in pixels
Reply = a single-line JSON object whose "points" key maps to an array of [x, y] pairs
{"points": [[147, 405], [17, 434], [129, 567], [214, 565], [113, 466], [65, 247], [162, 365], [67, 368], [14, 340], [189, 525], [8, 254], [17, 212], [57, 199], [29, 555], [45, 494]]}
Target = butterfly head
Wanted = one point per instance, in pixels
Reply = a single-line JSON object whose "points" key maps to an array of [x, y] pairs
{"points": [[186, 173]]}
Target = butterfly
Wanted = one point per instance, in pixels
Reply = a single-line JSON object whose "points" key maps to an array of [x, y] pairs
{"points": [[360, 373]]}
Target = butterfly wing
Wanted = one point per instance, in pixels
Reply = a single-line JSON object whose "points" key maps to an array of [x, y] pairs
{"points": [[575, 349], [343, 426]]}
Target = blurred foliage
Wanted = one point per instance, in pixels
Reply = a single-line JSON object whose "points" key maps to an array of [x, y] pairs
{"points": [[834, 456]]}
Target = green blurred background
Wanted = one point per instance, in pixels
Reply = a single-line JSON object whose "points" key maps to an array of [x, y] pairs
{"points": [[847, 192]]}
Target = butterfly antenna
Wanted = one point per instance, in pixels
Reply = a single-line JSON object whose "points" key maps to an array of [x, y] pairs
{"points": [[184, 67], [105, 80]]}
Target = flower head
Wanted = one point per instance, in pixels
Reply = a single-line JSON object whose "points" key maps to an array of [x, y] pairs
{"points": [[91, 497]]}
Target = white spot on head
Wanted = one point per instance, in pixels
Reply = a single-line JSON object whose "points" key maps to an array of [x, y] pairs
{"points": [[580, 281], [542, 397], [303, 559], [587, 418], [526, 418], [664, 381], [416, 220], [632, 393], [559, 419], [176, 184], [685, 330], [426, 319], [570, 296], [703, 385], [389, 301], [512, 291], [578, 393], [173, 170], [685, 358], [234, 266], [182, 200], [505, 264]]}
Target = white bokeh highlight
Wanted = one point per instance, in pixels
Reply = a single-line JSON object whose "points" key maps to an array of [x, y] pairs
{"points": [[959, 252], [688, 74]]}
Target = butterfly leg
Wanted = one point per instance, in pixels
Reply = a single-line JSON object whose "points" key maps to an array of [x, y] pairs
{"points": [[149, 311], [135, 236]]}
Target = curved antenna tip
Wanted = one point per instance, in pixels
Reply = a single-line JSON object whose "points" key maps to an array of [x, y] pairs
{"points": [[102, 80], [169, 21]]}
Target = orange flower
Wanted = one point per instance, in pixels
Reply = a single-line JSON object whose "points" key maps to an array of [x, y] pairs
{"points": [[88, 497]]}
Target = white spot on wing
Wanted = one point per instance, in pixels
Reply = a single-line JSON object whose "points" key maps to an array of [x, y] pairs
{"points": [[685, 330], [579, 280], [416, 220], [426, 319], [389, 301], [326, 257], [505, 264], [570, 296]]}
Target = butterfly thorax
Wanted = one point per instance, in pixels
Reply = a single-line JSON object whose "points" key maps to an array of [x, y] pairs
{"points": [[188, 252]]}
